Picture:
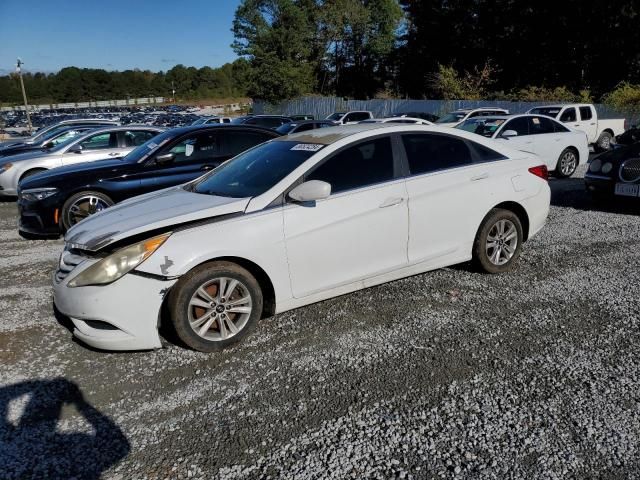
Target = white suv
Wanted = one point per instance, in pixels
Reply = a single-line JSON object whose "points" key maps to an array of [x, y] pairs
{"points": [[293, 221]]}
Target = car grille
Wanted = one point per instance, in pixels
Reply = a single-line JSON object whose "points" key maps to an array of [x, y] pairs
{"points": [[68, 261], [630, 170]]}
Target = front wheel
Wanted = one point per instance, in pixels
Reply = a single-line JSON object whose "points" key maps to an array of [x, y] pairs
{"points": [[215, 305], [498, 242], [567, 163], [82, 205]]}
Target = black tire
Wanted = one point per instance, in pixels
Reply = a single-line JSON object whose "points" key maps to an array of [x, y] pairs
{"points": [[603, 143], [32, 172], [572, 158], [67, 219], [181, 310], [481, 258]]}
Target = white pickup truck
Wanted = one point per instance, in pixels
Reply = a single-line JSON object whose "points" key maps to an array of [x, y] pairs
{"points": [[583, 116]]}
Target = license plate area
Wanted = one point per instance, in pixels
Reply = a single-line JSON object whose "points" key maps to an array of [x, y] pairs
{"points": [[627, 189]]}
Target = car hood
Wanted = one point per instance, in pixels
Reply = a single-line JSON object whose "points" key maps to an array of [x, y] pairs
{"points": [[29, 155], [153, 211]]}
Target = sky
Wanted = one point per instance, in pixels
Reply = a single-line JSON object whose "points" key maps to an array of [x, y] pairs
{"points": [[115, 34]]}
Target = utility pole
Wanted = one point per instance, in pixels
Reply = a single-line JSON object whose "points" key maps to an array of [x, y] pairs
{"points": [[24, 94], [173, 92]]}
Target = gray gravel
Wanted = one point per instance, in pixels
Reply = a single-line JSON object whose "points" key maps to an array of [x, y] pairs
{"points": [[533, 374]]}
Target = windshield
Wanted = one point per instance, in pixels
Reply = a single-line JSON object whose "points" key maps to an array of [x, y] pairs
{"points": [[255, 171], [335, 116], [453, 117], [200, 121], [286, 128], [482, 126], [547, 111]]}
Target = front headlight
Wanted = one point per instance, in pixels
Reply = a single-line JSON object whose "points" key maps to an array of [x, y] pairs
{"points": [[607, 167], [5, 167], [595, 166], [35, 194], [116, 265]]}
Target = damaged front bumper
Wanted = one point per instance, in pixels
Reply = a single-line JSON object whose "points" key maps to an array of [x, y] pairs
{"points": [[123, 315]]}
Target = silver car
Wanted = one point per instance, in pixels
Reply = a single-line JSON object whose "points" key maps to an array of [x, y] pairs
{"points": [[94, 145], [48, 130]]}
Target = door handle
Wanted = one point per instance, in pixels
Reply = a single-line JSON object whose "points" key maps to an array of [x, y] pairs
{"points": [[114, 154], [482, 176], [390, 202], [206, 167], [577, 125], [593, 124]]}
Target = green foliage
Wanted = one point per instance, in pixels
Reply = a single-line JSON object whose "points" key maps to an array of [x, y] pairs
{"points": [[450, 85], [542, 94], [74, 84], [626, 96]]}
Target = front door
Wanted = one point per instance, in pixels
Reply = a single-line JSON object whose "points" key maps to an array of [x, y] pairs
{"points": [[359, 231]]}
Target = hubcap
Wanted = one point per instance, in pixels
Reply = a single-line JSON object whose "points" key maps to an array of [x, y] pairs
{"points": [[219, 309], [568, 163], [84, 207], [605, 143], [502, 241]]}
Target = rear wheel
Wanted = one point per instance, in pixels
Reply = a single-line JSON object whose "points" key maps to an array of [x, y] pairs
{"points": [[567, 163], [215, 305], [498, 242], [82, 205]]}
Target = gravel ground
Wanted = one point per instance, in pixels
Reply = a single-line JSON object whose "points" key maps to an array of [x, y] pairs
{"points": [[532, 374]]}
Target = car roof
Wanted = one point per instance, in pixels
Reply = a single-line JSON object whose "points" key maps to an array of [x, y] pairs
{"points": [[228, 126], [329, 135]]}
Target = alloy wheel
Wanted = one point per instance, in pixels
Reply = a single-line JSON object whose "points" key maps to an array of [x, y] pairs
{"points": [[502, 242], [84, 207], [220, 308], [568, 163]]}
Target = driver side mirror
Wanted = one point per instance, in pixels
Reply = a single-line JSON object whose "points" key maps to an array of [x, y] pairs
{"points": [[164, 159], [48, 145], [75, 149], [509, 133], [310, 191]]}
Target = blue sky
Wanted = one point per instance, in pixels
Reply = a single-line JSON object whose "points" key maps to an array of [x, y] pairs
{"points": [[115, 34]]}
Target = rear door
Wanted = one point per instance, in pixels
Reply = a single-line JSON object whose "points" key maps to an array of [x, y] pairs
{"points": [[547, 141], [449, 194], [588, 122]]}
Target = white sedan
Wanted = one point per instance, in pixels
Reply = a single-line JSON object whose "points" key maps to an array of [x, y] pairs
{"points": [[561, 149], [293, 221]]}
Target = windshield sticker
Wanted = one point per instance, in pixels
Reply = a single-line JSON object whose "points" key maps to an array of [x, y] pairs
{"points": [[536, 121], [308, 147], [188, 150]]}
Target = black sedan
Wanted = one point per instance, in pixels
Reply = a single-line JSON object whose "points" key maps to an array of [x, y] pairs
{"points": [[51, 202], [615, 173]]}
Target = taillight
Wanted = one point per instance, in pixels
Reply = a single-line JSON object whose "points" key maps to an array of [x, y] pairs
{"points": [[540, 171]]}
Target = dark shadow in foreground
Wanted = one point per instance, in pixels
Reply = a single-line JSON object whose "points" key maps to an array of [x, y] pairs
{"points": [[33, 446]]}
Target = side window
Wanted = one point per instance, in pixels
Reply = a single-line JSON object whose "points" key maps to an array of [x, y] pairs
{"points": [[474, 114], [540, 125], [585, 113], [64, 137], [199, 147], [135, 138], [559, 128], [364, 164], [323, 125], [520, 125], [569, 115], [485, 154], [238, 142], [357, 117], [430, 153], [100, 141]]}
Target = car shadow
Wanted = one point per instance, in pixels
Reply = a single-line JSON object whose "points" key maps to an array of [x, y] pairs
{"points": [[34, 443], [571, 192]]}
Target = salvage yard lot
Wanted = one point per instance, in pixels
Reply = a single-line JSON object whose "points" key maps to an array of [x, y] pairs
{"points": [[529, 374]]}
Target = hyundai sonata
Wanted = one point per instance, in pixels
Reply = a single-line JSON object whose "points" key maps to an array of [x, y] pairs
{"points": [[294, 221]]}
